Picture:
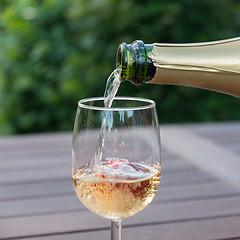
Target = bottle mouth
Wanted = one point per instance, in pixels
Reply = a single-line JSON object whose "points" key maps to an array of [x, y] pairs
{"points": [[134, 62], [121, 55]]}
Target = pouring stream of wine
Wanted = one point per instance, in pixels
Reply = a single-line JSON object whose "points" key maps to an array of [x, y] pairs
{"points": [[111, 89]]}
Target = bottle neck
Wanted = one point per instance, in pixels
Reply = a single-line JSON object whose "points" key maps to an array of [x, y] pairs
{"points": [[133, 59], [212, 65]]}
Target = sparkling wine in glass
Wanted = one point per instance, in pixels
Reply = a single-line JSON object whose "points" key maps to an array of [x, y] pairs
{"points": [[124, 180]]}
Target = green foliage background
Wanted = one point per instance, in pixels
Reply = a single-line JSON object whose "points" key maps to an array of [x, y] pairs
{"points": [[53, 53]]}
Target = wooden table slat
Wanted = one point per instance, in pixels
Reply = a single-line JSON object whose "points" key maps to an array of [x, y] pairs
{"points": [[219, 228], [165, 192], [11, 178]]}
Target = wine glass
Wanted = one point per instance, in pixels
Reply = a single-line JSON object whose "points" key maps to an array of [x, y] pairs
{"points": [[116, 164]]}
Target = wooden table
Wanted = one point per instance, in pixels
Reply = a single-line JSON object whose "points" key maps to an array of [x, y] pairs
{"points": [[198, 198]]}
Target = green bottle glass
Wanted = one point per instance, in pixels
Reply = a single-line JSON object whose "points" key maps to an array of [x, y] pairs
{"points": [[212, 65], [133, 59]]}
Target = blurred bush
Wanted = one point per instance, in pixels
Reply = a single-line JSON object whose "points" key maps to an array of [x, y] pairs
{"points": [[53, 53]]}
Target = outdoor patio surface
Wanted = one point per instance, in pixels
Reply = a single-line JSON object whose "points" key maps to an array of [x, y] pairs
{"points": [[198, 197]]}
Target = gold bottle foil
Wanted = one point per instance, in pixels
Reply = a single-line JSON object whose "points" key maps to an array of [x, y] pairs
{"points": [[213, 65]]}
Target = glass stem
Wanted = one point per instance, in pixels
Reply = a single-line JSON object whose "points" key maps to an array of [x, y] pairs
{"points": [[116, 230]]}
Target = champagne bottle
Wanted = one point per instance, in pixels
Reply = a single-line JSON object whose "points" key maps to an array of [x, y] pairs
{"points": [[211, 65]]}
